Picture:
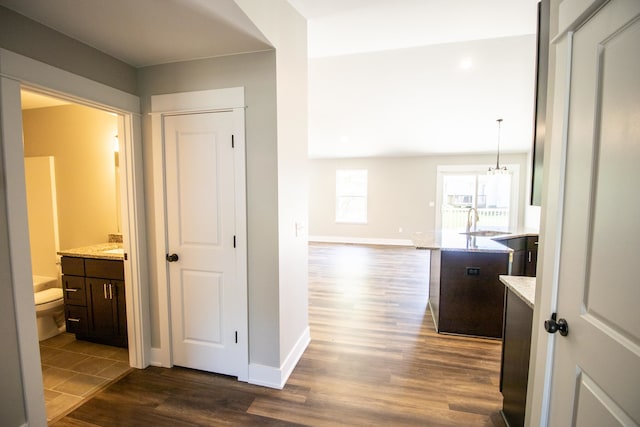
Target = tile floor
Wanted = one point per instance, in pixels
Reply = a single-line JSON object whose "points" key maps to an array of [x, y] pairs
{"points": [[73, 371]]}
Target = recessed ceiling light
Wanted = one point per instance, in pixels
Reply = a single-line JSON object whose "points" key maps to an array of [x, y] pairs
{"points": [[466, 63]]}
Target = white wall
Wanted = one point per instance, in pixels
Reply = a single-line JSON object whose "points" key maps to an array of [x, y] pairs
{"points": [[287, 31], [400, 192]]}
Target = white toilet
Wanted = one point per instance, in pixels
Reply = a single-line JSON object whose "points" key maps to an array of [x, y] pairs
{"points": [[49, 307]]}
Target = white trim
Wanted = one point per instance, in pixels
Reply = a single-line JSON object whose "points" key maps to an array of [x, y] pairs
{"points": [[361, 240], [229, 99], [19, 254], [17, 70], [155, 357], [163, 356], [268, 376], [65, 84], [556, 153], [204, 100]]}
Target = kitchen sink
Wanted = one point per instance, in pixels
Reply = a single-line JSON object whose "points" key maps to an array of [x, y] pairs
{"points": [[485, 233]]}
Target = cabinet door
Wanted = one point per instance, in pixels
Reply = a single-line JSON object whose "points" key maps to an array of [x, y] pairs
{"points": [[119, 309], [532, 257], [100, 308]]}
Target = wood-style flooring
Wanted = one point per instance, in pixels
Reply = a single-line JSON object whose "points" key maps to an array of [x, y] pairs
{"points": [[374, 360]]}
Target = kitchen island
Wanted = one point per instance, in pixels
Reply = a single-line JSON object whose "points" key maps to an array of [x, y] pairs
{"points": [[465, 294]]}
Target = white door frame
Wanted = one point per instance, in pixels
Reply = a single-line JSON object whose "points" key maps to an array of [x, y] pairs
{"points": [[18, 71], [230, 99]]}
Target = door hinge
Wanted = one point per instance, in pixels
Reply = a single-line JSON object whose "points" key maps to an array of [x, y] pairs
{"points": [[234, 241], [233, 143], [236, 337]]}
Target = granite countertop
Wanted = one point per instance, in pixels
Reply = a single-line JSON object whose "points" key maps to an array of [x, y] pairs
{"points": [[522, 286], [99, 251], [457, 241]]}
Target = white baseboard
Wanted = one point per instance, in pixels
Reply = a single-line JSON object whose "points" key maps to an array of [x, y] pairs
{"points": [[361, 240], [268, 376], [155, 357]]}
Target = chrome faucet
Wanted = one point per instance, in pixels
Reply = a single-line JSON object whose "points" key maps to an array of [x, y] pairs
{"points": [[469, 219]]}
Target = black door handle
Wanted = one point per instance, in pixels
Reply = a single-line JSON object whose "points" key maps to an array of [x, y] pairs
{"points": [[552, 325], [172, 257]]}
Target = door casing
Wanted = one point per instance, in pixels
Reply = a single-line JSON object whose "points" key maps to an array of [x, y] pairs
{"points": [[16, 72], [229, 99]]}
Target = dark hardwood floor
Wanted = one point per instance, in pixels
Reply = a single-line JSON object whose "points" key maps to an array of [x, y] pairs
{"points": [[374, 359]]}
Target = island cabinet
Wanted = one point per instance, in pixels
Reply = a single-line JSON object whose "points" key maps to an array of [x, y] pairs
{"points": [[525, 255], [94, 299], [466, 296], [514, 373]]}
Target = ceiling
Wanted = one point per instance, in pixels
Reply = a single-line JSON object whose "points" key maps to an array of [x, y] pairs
{"points": [[419, 77], [149, 32], [339, 27], [386, 77], [31, 100]]}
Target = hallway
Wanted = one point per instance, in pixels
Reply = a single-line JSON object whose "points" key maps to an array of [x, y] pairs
{"points": [[374, 359]]}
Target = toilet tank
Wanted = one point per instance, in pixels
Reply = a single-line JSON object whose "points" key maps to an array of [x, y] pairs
{"points": [[40, 283]]}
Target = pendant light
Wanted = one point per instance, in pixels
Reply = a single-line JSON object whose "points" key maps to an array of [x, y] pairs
{"points": [[498, 170]]}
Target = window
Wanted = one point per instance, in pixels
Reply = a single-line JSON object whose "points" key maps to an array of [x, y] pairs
{"points": [[351, 195], [494, 196]]}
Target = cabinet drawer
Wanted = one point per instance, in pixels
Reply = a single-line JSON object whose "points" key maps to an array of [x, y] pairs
{"points": [[76, 318], [532, 243], [74, 290], [72, 265], [104, 268]]}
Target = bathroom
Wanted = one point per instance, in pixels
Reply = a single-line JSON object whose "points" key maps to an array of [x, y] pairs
{"points": [[73, 201]]}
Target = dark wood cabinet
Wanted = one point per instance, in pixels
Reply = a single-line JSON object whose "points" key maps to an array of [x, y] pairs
{"points": [[531, 260], [525, 255], [516, 346], [469, 299], [94, 297]]}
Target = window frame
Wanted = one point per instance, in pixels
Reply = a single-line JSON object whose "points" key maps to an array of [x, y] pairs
{"points": [[341, 195]]}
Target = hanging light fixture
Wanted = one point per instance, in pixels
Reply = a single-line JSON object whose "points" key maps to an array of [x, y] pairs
{"points": [[498, 170]]}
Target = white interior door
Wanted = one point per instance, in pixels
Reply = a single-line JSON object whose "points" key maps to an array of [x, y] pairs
{"points": [[205, 296], [596, 367]]}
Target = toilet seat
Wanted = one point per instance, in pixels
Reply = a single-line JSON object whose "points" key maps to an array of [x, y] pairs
{"points": [[48, 295]]}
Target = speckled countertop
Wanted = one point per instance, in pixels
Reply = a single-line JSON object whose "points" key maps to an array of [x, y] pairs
{"points": [[522, 286], [99, 251], [457, 241]]}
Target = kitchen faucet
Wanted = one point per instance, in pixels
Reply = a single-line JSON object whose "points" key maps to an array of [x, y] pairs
{"points": [[475, 222]]}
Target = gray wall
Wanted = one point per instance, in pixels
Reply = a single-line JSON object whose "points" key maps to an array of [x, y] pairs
{"points": [[256, 73], [29, 38], [400, 189]]}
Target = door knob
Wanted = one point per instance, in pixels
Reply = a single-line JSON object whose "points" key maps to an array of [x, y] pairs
{"points": [[552, 325], [172, 257]]}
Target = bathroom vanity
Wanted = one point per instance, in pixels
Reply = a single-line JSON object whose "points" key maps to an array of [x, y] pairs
{"points": [[94, 295]]}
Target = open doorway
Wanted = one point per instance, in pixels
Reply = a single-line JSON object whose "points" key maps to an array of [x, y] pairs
{"points": [[73, 200], [34, 75]]}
